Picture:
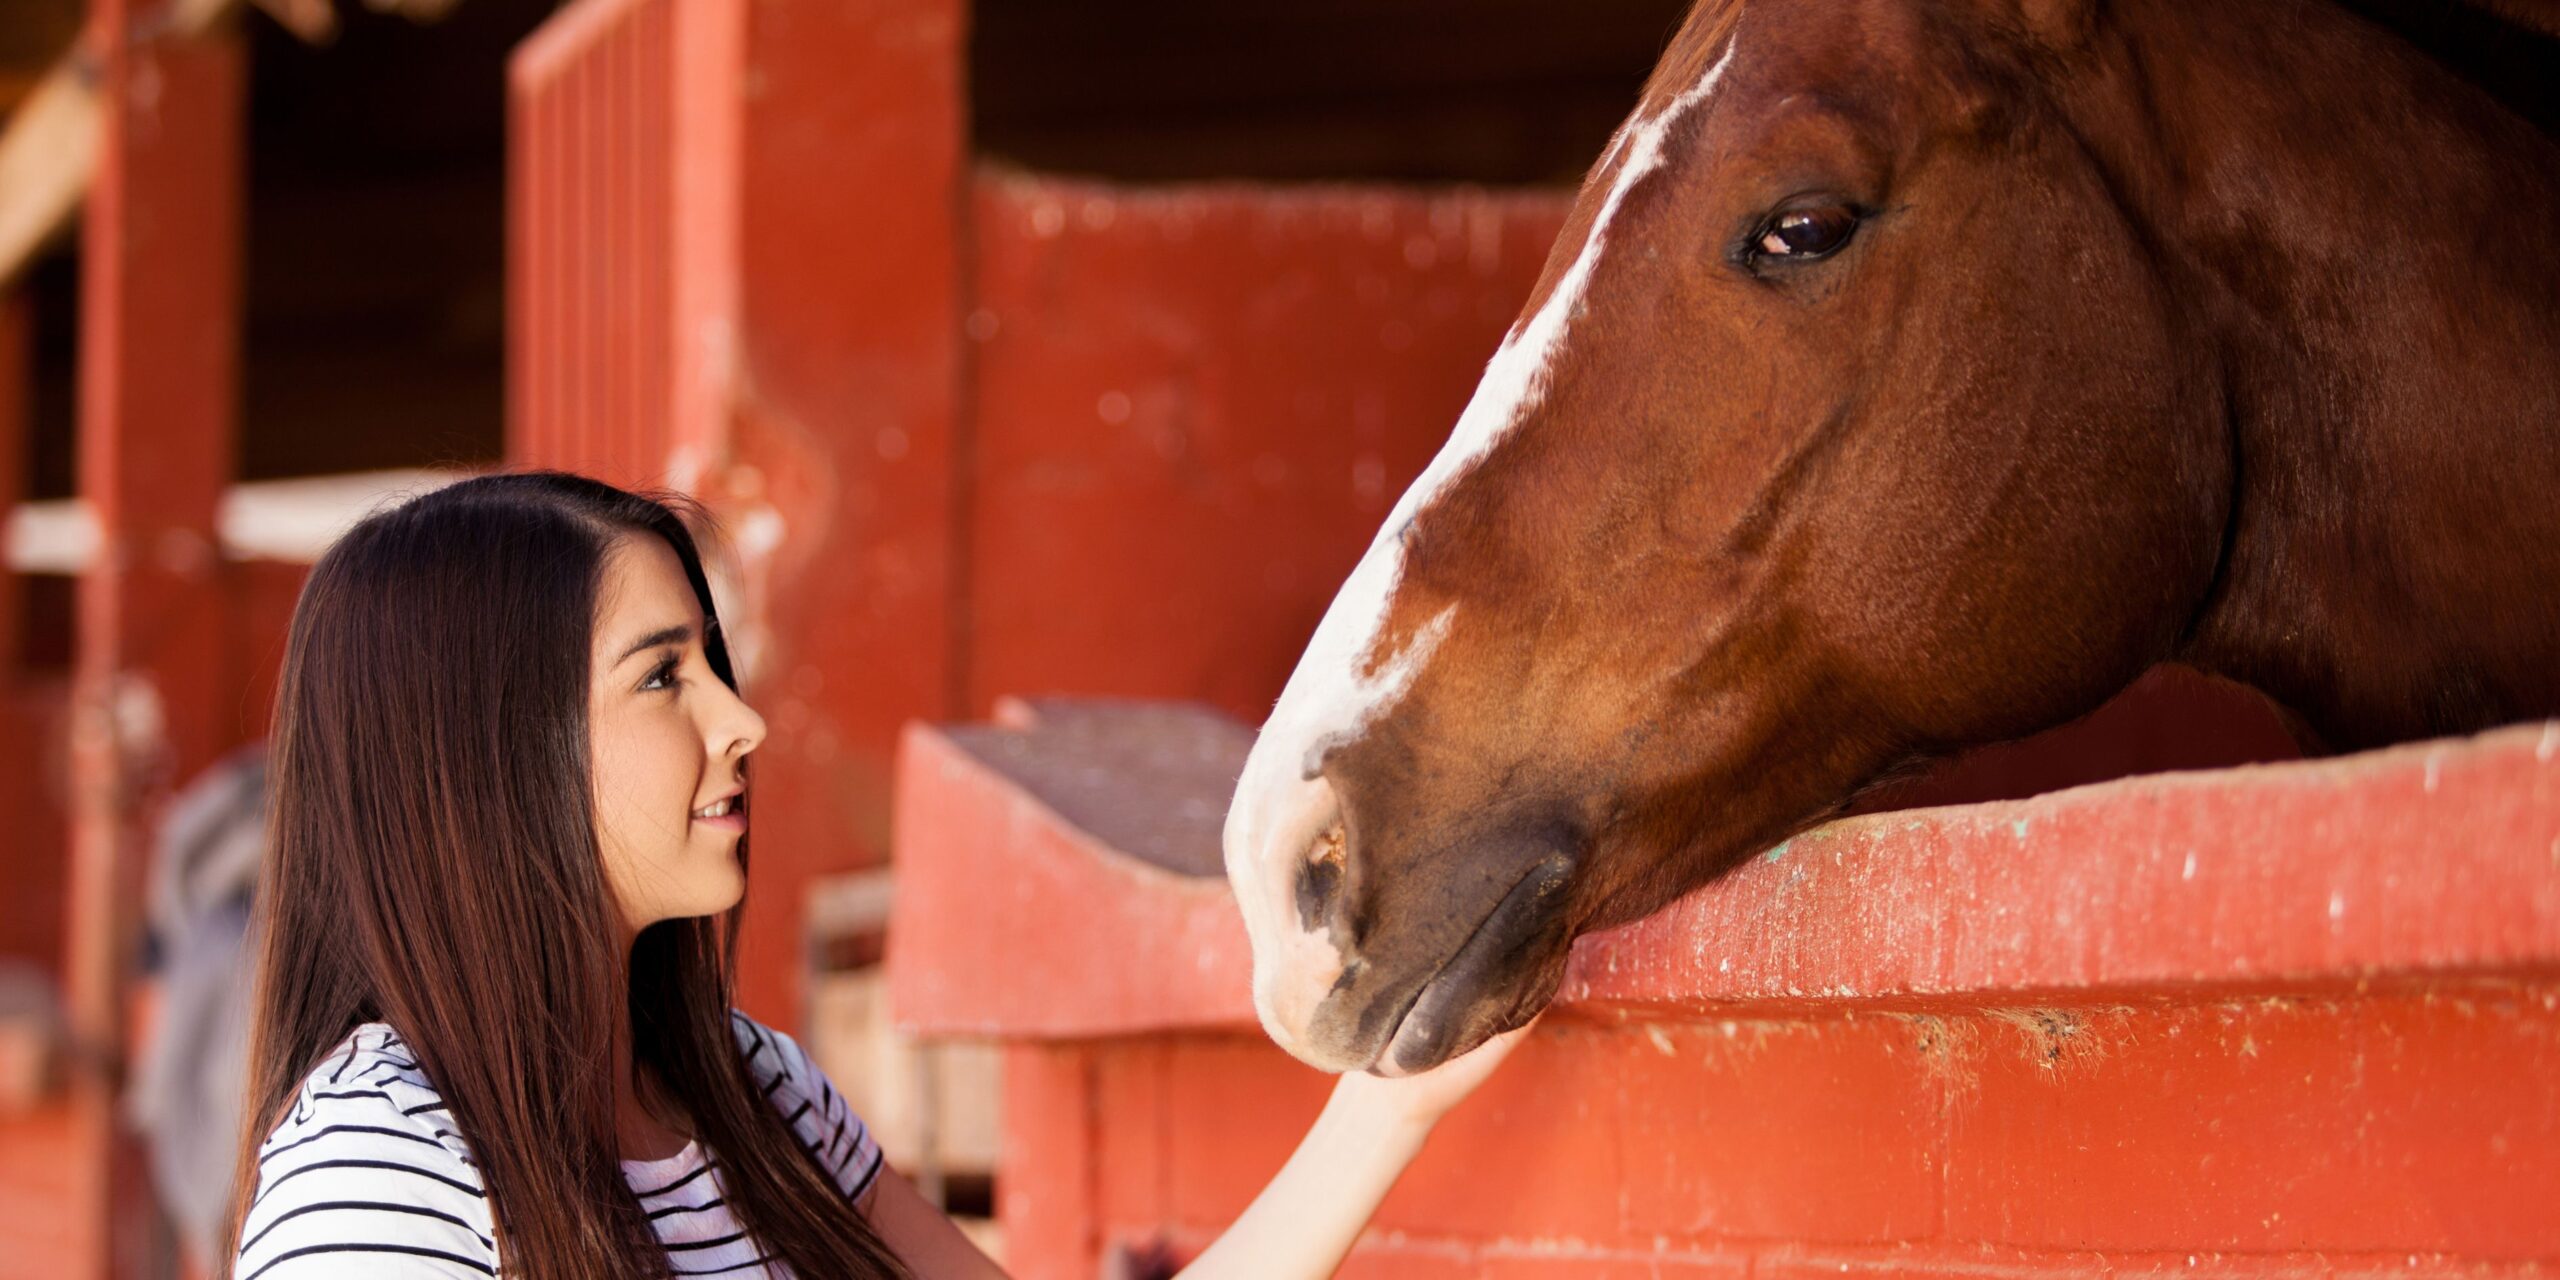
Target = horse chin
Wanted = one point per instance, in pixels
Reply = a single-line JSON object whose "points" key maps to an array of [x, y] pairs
{"points": [[1504, 974], [1426, 1039]]}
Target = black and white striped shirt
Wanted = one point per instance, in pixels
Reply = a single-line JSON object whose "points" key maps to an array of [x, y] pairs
{"points": [[365, 1174]]}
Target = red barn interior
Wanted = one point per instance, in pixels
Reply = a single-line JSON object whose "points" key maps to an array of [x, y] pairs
{"points": [[1025, 350]]}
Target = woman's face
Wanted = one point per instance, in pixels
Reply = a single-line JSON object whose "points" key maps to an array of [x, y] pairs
{"points": [[669, 742]]}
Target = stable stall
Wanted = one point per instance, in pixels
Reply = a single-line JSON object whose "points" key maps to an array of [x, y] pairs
{"points": [[1029, 348], [2286, 1020]]}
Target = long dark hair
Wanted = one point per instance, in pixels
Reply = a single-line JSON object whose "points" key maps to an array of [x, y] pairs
{"points": [[435, 866]]}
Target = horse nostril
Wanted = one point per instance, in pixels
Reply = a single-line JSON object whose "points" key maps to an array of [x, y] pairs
{"points": [[1320, 880]]}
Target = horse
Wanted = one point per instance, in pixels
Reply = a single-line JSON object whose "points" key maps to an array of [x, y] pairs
{"points": [[1911, 375]]}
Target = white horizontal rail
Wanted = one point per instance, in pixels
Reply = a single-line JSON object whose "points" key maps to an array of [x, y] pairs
{"points": [[291, 521]]}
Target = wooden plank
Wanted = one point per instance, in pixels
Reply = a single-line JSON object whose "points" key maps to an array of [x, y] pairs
{"points": [[158, 385], [48, 152], [2428, 859], [2418, 863]]}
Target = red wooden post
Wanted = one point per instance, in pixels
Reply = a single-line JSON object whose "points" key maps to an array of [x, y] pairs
{"points": [[1048, 1159], [624, 125], [17, 339], [705, 129], [158, 383], [589, 196], [848, 374]]}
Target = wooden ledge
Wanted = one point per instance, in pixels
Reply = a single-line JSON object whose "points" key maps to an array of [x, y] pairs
{"points": [[290, 521], [2425, 863]]}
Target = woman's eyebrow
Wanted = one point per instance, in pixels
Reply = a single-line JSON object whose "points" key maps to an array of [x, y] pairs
{"points": [[676, 634]]}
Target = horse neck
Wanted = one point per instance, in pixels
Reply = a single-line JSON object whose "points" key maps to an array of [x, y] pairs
{"points": [[2374, 251]]}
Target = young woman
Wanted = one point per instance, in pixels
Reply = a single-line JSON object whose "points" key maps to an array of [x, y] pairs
{"points": [[494, 1032]]}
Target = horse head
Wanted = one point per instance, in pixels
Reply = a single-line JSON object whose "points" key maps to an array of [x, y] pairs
{"points": [[1859, 415]]}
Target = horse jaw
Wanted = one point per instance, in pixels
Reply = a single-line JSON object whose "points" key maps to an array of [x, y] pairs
{"points": [[1283, 805]]}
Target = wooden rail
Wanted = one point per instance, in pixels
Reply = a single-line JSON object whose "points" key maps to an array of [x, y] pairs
{"points": [[2293, 1019]]}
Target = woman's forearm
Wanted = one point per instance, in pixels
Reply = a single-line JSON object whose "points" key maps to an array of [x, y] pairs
{"points": [[1304, 1222]]}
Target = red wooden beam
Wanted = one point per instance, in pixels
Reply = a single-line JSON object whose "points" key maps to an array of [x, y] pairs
{"points": [[32, 859], [2429, 860], [158, 388], [17, 392], [2280, 1021]]}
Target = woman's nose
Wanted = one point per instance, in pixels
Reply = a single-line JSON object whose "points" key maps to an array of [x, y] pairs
{"points": [[741, 730]]}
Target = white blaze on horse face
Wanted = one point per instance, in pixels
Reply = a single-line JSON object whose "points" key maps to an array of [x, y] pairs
{"points": [[1281, 806]]}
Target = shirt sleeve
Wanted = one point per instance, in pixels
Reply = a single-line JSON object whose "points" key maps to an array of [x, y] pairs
{"points": [[350, 1184], [809, 1102]]}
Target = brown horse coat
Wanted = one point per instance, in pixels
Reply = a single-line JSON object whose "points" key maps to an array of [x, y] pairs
{"points": [[1913, 374]]}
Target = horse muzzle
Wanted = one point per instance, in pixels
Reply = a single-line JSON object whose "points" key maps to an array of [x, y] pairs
{"points": [[1404, 965], [1498, 979]]}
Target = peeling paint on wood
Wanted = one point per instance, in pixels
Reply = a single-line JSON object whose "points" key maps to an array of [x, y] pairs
{"points": [[2118, 1030]]}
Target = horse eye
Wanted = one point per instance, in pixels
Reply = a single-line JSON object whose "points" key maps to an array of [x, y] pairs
{"points": [[1807, 233]]}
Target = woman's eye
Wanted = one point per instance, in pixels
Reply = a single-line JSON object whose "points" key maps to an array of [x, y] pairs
{"points": [[662, 676], [1807, 233]]}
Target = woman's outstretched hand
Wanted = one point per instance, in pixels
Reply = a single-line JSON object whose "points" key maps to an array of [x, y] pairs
{"points": [[1307, 1219], [1428, 1095]]}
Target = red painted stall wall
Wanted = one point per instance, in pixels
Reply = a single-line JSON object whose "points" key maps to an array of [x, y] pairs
{"points": [[2261, 1137], [2296, 1020], [1192, 407]]}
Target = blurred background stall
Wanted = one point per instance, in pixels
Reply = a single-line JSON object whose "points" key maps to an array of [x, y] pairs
{"points": [[1017, 346]]}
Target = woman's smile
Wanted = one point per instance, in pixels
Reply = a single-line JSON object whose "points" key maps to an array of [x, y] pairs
{"points": [[728, 813]]}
